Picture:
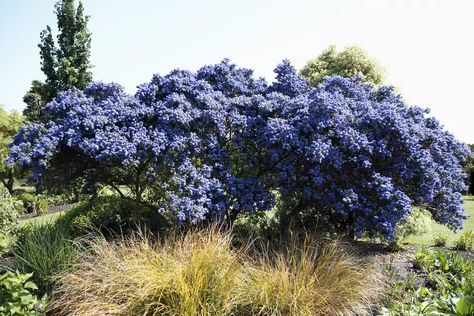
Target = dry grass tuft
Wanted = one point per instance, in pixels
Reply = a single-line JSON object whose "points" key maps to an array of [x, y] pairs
{"points": [[199, 273], [192, 274], [308, 277]]}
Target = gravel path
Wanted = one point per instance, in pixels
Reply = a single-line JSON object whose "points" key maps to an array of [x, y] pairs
{"points": [[51, 210]]}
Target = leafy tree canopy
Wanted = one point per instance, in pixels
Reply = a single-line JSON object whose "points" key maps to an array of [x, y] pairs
{"points": [[351, 62], [65, 65], [10, 124]]}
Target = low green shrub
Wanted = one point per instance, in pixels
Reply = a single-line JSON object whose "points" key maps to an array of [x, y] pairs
{"points": [[10, 210], [33, 203], [110, 215], [42, 206], [255, 224], [28, 199], [465, 241], [17, 296], [60, 198], [418, 223], [441, 239], [449, 288], [423, 258], [44, 249]]}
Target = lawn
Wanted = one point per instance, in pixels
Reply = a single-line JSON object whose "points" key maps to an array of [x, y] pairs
{"points": [[436, 229], [41, 219]]}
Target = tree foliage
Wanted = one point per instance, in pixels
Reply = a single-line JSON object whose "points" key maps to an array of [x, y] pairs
{"points": [[10, 124], [351, 62], [218, 142], [65, 65], [9, 212]]}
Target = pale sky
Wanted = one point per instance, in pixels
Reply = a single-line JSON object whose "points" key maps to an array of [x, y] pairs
{"points": [[426, 47]]}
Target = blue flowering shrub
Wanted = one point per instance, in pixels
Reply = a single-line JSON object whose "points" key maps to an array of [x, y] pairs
{"points": [[211, 144]]}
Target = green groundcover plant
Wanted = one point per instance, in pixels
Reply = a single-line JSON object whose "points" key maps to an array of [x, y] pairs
{"points": [[17, 296], [449, 289], [465, 241]]}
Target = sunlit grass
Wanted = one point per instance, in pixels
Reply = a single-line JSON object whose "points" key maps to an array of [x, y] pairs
{"points": [[41, 220], [427, 239]]}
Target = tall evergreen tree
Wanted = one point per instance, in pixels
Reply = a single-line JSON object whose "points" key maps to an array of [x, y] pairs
{"points": [[65, 65]]}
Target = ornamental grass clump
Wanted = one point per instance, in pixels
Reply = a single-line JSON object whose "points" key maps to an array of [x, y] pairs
{"points": [[190, 274], [307, 277], [202, 273], [44, 249]]}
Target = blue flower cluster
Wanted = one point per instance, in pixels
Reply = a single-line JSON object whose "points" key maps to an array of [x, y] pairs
{"points": [[217, 142]]}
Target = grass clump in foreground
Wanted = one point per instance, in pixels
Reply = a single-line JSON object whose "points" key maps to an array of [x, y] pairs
{"points": [[201, 273], [305, 277], [44, 249]]}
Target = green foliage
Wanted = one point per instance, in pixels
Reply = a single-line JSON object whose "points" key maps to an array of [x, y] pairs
{"points": [[418, 223], [468, 167], [436, 228], [65, 65], [59, 199], [255, 224], [352, 61], [465, 241], [9, 213], [111, 215], [17, 296], [293, 212], [440, 240], [28, 200], [10, 123], [41, 206], [449, 289], [44, 249], [35, 99], [33, 203]]}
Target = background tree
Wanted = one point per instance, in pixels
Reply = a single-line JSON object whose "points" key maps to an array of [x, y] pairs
{"points": [[469, 170], [64, 66], [352, 61], [10, 124]]}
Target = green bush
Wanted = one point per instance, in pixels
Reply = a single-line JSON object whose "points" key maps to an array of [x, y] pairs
{"points": [[42, 206], [449, 289], [440, 240], [110, 215], [59, 199], [417, 224], [9, 212], [44, 249], [255, 225], [465, 241], [17, 296], [33, 203], [28, 199]]}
